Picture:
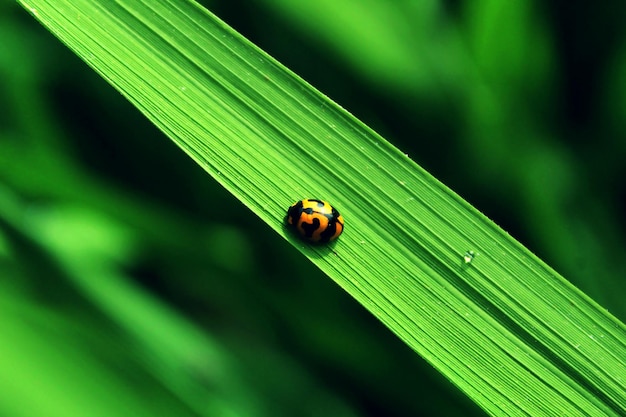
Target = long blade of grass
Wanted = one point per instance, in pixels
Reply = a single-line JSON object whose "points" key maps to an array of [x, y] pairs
{"points": [[501, 325]]}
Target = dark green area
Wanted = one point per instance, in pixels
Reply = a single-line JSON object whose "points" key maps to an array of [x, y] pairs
{"points": [[82, 203]]}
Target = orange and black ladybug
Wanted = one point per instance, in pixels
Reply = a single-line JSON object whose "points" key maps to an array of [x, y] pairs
{"points": [[315, 221]]}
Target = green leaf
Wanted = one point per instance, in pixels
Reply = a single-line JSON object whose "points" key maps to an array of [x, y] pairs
{"points": [[510, 332]]}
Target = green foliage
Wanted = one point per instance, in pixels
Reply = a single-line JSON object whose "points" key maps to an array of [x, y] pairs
{"points": [[111, 282]]}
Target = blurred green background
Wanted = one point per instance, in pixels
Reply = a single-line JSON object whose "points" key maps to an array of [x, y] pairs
{"points": [[132, 284]]}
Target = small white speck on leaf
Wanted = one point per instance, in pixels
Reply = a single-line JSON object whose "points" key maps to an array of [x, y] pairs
{"points": [[469, 256]]}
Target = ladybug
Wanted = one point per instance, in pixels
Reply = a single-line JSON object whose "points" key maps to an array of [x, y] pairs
{"points": [[315, 221]]}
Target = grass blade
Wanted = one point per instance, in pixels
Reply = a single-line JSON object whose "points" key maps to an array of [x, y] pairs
{"points": [[504, 327]]}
